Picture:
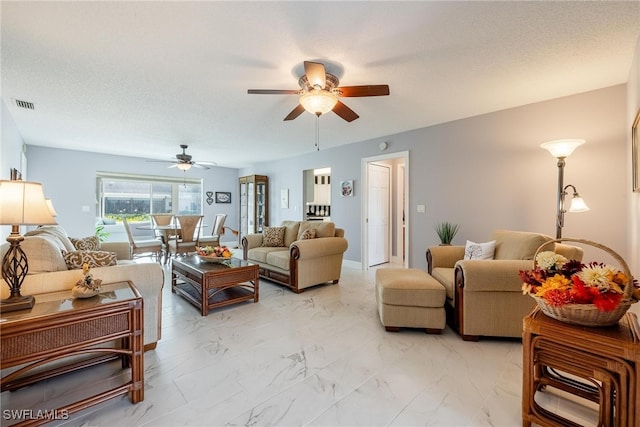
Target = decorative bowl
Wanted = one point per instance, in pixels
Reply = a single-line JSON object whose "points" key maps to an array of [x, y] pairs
{"points": [[217, 259]]}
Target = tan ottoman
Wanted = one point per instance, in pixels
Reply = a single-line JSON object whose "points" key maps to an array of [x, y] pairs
{"points": [[410, 298]]}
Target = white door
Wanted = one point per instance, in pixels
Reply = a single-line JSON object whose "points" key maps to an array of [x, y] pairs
{"points": [[379, 215]]}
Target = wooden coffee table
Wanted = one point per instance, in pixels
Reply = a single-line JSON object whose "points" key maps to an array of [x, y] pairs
{"points": [[209, 285]]}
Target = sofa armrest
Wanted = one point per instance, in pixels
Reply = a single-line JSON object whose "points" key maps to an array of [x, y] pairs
{"points": [[316, 248], [491, 275], [443, 256], [250, 241], [123, 250]]}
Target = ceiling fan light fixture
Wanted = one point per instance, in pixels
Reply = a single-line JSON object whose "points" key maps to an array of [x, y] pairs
{"points": [[184, 166], [317, 101]]}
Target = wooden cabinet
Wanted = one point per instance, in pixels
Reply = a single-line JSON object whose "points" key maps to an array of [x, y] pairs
{"points": [[254, 204]]}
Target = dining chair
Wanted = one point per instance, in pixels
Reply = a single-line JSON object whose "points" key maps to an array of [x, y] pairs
{"points": [[216, 231], [189, 226], [151, 247]]}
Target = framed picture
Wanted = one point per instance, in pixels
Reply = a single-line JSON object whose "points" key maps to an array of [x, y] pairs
{"points": [[15, 174], [635, 152], [346, 188], [223, 197]]}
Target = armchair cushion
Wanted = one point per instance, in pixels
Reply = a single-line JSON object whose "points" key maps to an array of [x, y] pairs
{"points": [[517, 244]]}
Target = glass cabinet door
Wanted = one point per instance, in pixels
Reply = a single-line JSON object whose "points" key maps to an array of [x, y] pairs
{"points": [[254, 204]]}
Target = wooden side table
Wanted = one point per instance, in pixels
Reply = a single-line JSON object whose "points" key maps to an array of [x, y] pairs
{"points": [[600, 364], [59, 326]]}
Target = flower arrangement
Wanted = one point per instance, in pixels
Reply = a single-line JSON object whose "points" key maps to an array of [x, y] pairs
{"points": [[560, 281], [214, 251]]}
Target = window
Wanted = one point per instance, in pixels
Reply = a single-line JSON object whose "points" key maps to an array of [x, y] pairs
{"points": [[138, 196]]}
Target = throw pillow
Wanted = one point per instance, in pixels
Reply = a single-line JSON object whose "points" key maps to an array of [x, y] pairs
{"points": [[474, 250], [76, 259], [273, 237], [309, 233], [91, 243]]}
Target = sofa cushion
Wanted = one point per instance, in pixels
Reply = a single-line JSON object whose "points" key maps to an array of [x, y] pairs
{"points": [[90, 243], [260, 253], [43, 254], [323, 229], [517, 244], [290, 231], [56, 232], [278, 259], [273, 237], [309, 233], [76, 259], [475, 250], [446, 277]]}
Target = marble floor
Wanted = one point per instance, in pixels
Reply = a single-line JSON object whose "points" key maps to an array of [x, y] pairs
{"points": [[320, 358]]}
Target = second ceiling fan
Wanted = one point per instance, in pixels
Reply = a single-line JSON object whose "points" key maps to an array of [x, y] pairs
{"points": [[319, 93]]}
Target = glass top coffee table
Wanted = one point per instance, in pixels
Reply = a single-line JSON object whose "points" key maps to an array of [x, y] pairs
{"points": [[208, 285]]}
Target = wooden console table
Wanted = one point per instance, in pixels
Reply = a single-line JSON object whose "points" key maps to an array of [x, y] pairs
{"points": [[600, 364], [58, 327]]}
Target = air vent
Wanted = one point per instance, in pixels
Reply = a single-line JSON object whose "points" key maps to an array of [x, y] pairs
{"points": [[25, 104]]}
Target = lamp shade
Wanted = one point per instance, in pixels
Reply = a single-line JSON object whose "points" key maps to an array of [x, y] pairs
{"points": [[23, 203], [184, 166], [578, 205], [51, 208], [562, 148], [318, 101]]}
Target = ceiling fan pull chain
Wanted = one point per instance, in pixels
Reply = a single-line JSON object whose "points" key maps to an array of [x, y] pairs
{"points": [[317, 132]]}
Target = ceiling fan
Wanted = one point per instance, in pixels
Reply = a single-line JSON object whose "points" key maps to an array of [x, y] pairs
{"points": [[319, 93], [183, 161]]}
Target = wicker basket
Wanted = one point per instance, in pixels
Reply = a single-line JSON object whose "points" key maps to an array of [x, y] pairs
{"points": [[588, 314]]}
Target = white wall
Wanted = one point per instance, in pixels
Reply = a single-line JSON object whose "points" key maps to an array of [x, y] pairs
{"points": [[69, 179], [10, 154], [488, 172]]}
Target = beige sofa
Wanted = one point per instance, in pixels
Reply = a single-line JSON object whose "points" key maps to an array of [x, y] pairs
{"points": [[484, 296], [48, 272], [299, 263]]}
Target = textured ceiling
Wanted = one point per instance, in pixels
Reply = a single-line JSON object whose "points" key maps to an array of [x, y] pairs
{"points": [[140, 78]]}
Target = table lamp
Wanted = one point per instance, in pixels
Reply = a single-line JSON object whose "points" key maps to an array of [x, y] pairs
{"points": [[21, 203]]}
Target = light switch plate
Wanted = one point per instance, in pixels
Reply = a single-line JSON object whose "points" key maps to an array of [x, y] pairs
{"points": [[422, 209]]}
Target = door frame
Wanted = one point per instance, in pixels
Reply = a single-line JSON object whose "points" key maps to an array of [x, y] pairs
{"points": [[364, 229]]}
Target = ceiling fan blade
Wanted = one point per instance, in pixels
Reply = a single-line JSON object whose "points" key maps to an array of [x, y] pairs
{"points": [[295, 112], [345, 112], [316, 74], [366, 90], [199, 166], [273, 91]]}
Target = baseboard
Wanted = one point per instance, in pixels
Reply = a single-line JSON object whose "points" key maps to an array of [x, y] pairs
{"points": [[352, 264]]}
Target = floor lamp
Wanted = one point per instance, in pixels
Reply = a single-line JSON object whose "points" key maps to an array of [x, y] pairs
{"points": [[561, 149], [21, 203]]}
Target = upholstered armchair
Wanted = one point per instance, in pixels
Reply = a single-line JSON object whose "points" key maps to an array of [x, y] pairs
{"points": [[484, 296]]}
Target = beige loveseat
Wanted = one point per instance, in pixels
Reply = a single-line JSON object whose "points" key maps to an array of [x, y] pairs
{"points": [[296, 262], [484, 296], [48, 272]]}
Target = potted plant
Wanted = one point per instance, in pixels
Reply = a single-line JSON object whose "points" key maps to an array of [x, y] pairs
{"points": [[446, 232]]}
